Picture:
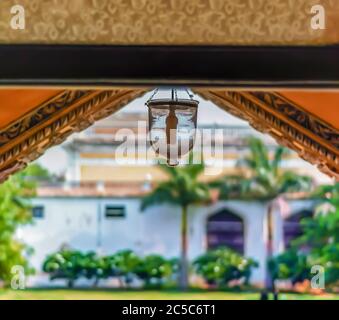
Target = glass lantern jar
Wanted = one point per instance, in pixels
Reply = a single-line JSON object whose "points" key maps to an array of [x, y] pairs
{"points": [[172, 126]]}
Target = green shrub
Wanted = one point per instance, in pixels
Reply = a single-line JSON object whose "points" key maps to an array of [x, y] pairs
{"points": [[294, 265], [125, 265], [70, 265], [222, 265], [291, 265], [106, 268], [155, 269], [320, 235]]}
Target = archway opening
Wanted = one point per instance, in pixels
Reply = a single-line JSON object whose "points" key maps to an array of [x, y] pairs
{"points": [[292, 226], [225, 228]]}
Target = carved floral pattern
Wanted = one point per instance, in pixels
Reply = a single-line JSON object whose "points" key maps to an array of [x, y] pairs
{"points": [[301, 117], [223, 22], [314, 141], [80, 109], [42, 113]]}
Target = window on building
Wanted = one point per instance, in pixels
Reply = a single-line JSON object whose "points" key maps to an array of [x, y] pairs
{"points": [[38, 212], [115, 211]]}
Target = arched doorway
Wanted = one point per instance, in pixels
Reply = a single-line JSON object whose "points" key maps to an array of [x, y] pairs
{"points": [[292, 226], [225, 229]]}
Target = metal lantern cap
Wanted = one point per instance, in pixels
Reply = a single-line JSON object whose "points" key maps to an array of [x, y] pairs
{"points": [[163, 103]]}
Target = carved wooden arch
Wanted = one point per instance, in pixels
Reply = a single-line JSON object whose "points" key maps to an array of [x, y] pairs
{"points": [[74, 110], [269, 112], [52, 122]]}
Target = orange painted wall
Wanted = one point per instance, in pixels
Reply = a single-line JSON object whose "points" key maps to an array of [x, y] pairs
{"points": [[322, 104], [15, 103]]}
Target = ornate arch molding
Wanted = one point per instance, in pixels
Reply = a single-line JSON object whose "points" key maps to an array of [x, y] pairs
{"points": [[314, 140], [52, 122], [74, 110]]}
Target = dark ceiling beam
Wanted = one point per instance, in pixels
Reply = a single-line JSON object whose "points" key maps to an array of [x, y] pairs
{"points": [[241, 66]]}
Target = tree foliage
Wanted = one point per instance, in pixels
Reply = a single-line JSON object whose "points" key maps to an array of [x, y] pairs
{"points": [[15, 211], [292, 264], [318, 244], [261, 175], [182, 188]]}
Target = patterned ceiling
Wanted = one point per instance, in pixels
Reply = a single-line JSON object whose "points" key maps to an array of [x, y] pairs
{"points": [[171, 22]]}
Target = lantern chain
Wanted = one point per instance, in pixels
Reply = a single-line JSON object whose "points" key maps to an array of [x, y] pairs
{"points": [[152, 96], [189, 94]]}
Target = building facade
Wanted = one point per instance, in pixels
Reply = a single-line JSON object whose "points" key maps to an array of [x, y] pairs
{"points": [[97, 207], [106, 224]]}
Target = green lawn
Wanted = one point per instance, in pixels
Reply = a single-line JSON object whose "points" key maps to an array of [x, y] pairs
{"points": [[64, 294]]}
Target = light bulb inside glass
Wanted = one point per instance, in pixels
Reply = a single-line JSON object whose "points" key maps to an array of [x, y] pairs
{"points": [[172, 126]]}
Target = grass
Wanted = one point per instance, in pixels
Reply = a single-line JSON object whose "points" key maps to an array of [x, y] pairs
{"points": [[102, 294]]}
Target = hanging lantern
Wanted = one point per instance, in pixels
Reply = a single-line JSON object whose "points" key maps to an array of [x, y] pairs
{"points": [[172, 126]]}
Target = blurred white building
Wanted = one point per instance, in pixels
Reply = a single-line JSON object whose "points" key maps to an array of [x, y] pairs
{"points": [[88, 221]]}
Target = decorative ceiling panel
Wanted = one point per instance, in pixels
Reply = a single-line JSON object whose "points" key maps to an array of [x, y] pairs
{"points": [[170, 22]]}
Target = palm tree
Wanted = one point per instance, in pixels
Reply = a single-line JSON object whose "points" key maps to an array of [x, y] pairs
{"points": [[182, 189], [263, 179]]}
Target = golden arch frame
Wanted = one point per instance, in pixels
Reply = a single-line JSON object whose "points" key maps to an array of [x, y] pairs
{"points": [[74, 110]]}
